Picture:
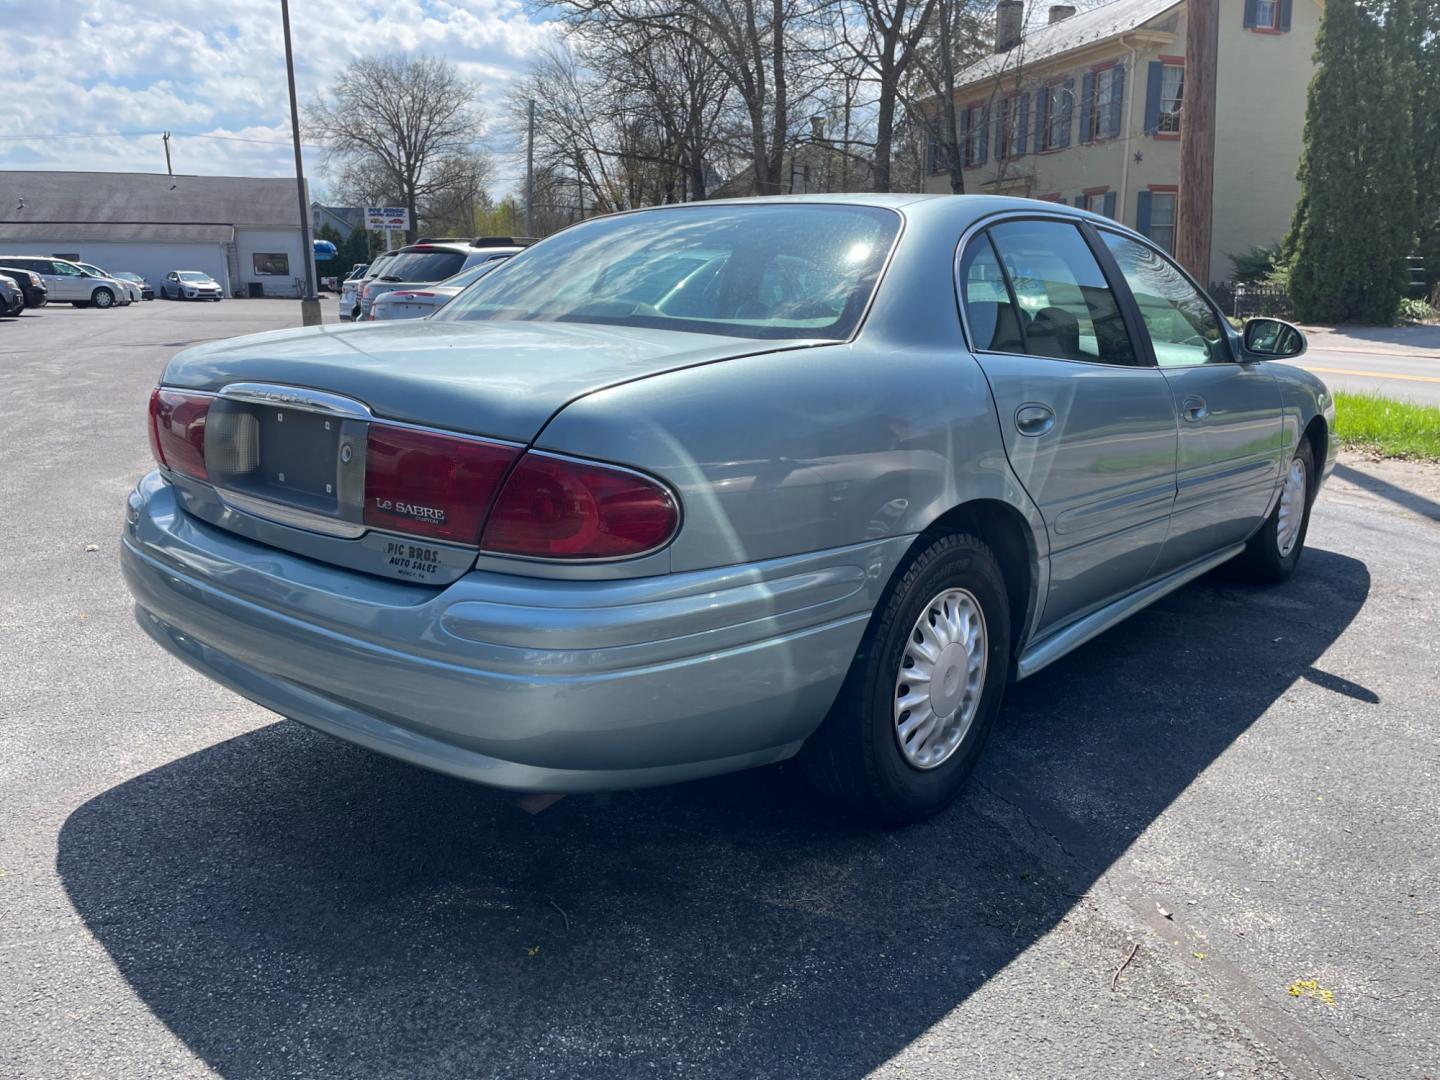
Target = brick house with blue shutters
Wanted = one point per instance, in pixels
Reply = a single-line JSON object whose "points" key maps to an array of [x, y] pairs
{"points": [[1088, 108]]}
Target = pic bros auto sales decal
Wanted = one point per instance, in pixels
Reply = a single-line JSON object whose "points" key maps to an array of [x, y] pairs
{"points": [[412, 561]]}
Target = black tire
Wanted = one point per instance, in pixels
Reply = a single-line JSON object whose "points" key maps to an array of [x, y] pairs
{"points": [[855, 755], [1262, 560], [102, 298]]}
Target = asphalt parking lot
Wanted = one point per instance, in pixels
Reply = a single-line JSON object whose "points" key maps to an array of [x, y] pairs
{"points": [[1238, 790]]}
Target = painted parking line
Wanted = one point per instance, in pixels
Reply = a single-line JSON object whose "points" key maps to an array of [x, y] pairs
{"points": [[1371, 374]]}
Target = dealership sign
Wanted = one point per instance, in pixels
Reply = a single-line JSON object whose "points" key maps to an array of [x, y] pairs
{"points": [[384, 218]]}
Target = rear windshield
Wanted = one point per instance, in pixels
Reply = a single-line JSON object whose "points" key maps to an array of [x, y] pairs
{"points": [[797, 270], [378, 266], [423, 266]]}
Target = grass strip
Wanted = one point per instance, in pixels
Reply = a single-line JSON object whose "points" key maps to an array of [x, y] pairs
{"points": [[1385, 426]]}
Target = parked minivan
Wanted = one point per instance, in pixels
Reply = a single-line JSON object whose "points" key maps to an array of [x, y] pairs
{"points": [[64, 281]]}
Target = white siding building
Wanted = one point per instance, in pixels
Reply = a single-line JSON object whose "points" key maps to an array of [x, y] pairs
{"points": [[243, 231], [1088, 110]]}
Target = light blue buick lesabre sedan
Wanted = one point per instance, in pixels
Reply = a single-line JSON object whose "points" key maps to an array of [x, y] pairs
{"points": [[697, 488]]}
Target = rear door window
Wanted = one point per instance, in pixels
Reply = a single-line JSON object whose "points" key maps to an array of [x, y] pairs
{"points": [[1066, 308], [990, 312]]}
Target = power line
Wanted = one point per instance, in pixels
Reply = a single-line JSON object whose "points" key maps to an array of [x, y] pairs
{"points": [[143, 134]]}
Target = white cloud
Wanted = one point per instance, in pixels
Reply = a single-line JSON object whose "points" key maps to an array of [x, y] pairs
{"points": [[104, 77]]}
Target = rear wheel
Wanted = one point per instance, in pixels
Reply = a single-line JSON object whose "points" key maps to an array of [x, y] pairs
{"points": [[1271, 554], [102, 298], [923, 690]]}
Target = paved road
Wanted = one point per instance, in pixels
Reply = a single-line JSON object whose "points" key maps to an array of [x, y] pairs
{"points": [[1402, 362], [192, 887]]}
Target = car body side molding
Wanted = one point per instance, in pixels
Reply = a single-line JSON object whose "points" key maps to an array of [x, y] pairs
{"points": [[1046, 651]]}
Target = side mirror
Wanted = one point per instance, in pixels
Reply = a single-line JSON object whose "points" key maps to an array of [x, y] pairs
{"points": [[1267, 339]]}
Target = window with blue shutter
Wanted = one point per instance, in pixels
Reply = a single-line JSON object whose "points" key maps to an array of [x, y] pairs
{"points": [[1142, 213], [1109, 210], [1067, 112], [964, 137], [1153, 84], [1252, 14], [1285, 6], [1087, 105], [982, 140], [1022, 140], [1111, 124]]}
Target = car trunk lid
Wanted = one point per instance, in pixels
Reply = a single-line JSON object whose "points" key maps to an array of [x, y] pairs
{"points": [[290, 416]]}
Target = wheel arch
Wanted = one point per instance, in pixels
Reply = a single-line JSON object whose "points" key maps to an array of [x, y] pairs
{"points": [[1008, 535], [1317, 433]]}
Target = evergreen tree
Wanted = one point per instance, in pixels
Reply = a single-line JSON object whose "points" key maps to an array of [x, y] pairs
{"points": [[1355, 222], [1425, 111]]}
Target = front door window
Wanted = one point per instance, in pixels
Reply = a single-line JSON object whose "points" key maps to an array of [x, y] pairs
{"points": [[1183, 325]]}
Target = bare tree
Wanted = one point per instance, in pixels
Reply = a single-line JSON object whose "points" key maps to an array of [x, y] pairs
{"points": [[748, 41], [958, 35], [884, 36], [405, 127]]}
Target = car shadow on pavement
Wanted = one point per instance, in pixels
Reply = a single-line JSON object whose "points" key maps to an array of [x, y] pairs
{"points": [[1392, 493], [290, 905]]}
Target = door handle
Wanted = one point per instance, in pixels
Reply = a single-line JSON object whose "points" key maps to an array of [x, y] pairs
{"points": [[1194, 409], [1034, 419]]}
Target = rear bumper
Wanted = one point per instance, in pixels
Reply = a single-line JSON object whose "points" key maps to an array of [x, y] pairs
{"points": [[523, 683]]}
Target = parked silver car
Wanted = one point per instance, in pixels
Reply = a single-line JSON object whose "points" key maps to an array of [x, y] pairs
{"points": [[128, 291], [352, 289], [417, 303], [698, 488], [189, 285]]}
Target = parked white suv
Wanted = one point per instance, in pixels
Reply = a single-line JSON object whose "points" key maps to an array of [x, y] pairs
{"points": [[67, 282], [427, 261]]}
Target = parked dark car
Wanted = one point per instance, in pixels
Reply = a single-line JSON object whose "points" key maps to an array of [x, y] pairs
{"points": [[30, 283], [12, 300]]}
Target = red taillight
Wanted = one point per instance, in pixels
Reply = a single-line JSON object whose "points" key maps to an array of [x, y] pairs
{"points": [[556, 508], [429, 484], [177, 431]]}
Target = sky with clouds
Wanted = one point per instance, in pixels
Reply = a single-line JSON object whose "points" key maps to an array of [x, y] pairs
{"points": [[93, 82]]}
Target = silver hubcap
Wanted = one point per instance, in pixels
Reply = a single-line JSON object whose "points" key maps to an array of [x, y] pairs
{"points": [[102, 299], [942, 673], [1292, 508]]}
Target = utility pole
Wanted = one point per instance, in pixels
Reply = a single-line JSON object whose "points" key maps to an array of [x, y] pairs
{"points": [[530, 174], [1197, 139], [165, 138], [309, 303]]}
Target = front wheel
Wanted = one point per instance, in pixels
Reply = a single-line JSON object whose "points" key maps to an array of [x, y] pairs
{"points": [[102, 298], [1271, 554], [923, 690]]}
